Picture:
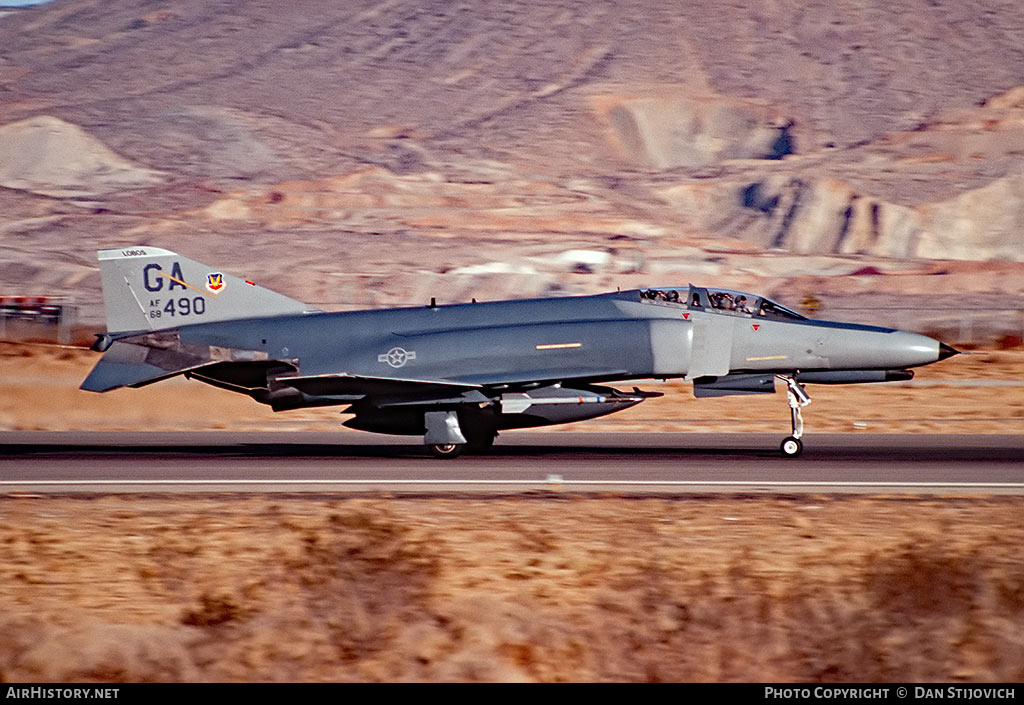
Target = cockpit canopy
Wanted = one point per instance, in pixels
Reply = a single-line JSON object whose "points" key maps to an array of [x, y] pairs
{"points": [[734, 303]]}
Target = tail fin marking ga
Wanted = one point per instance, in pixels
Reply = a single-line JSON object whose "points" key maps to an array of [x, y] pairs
{"points": [[148, 288]]}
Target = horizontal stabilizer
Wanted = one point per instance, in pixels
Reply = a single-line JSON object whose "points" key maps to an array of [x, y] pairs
{"points": [[141, 359], [127, 365]]}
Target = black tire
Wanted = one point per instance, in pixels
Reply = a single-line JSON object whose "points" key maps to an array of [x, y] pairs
{"points": [[792, 447], [446, 450]]}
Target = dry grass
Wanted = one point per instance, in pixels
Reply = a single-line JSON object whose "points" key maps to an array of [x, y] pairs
{"points": [[523, 589]]}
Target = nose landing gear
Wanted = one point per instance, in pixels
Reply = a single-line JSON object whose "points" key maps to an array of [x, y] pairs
{"points": [[798, 398]]}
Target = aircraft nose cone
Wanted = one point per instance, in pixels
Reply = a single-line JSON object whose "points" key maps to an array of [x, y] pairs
{"points": [[945, 351], [905, 349]]}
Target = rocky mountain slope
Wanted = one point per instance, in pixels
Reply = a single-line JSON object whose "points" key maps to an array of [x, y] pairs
{"points": [[368, 153]]}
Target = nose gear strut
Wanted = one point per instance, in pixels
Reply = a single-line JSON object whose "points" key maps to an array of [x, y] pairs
{"points": [[798, 397]]}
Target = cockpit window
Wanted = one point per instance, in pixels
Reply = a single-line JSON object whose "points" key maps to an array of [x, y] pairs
{"points": [[732, 301], [670, 296], [771, 310], [735, 303]]}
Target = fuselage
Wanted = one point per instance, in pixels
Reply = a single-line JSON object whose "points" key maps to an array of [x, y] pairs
{"points": [[616, 336], [459, 374]]}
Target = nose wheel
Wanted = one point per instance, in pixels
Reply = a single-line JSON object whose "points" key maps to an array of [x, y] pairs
{"points": [[798, 398], [792, 447]]}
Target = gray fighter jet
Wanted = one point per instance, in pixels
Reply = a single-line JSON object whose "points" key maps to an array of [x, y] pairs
{"points": [[459, 374]]}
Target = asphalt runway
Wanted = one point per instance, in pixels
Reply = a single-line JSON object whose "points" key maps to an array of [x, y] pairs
{"points": [[60, 463]]}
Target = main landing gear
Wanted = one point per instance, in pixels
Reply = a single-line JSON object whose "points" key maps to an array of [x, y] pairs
{"points": [[446, 450], [447, 438], [798, 397], [476, 443]]}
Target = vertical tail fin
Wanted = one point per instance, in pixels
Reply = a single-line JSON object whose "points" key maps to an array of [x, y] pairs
{"points": [[147, 288]]}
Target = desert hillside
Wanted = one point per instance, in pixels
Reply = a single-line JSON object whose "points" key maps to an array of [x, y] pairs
{"points": [[860, 154]]}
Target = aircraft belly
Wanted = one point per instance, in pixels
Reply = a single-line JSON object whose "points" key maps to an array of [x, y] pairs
{"points": [[440, 418], [550, 414]]}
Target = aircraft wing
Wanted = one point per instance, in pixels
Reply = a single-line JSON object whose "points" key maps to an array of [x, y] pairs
{"points": [[534, 377], [405, 391], [331, 385]]}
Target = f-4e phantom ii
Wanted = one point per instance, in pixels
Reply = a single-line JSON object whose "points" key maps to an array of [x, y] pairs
{"points": [[459, 374]]}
